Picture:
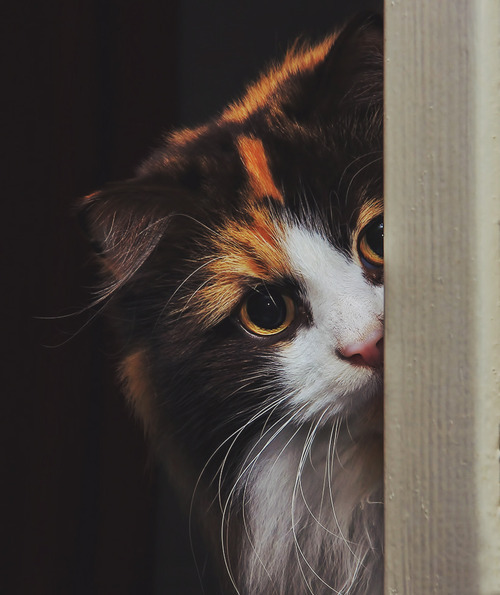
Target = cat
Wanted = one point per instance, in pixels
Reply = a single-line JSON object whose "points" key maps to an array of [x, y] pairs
{"points": [[243, 267]]}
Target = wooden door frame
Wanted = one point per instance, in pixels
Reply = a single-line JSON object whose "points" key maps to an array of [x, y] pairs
{"points": [[442, 213]]}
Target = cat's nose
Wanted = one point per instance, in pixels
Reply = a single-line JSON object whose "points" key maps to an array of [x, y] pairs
{"points": [[367, 352]]}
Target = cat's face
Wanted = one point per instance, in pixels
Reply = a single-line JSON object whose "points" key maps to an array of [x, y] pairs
{"points": [[333, 364], [245, 261]]}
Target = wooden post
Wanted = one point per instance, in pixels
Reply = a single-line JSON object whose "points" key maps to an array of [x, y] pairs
{"points": [[442, 186]]}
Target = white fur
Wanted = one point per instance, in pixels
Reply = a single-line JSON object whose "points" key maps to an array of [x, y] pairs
{"points": [[313, 514], [345, 309], [311, 486]]}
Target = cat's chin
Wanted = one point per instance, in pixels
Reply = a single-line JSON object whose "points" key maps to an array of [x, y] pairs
{"points": [[362, 413], [370, 414], [367, 401], [364, 400]]}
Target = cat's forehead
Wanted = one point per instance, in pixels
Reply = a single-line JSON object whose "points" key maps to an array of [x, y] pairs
{"points": [[255, 241], [338, 207], [309, 130], [260, 181]]}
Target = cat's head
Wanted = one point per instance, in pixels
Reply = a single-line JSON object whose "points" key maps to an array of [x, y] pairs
{"points": [[244, 262]]}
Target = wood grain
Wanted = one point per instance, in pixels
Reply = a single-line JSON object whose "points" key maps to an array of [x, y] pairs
{"points": [[442, 297]]}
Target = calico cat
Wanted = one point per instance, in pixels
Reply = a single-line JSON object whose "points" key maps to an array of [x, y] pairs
{"points": [[243, 266]]}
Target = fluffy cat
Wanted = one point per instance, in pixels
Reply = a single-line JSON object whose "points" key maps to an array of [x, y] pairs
{"points": [[243, 266]]}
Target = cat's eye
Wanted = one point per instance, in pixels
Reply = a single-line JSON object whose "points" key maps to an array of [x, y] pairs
{"points": [[371, 243], [267, 311]]}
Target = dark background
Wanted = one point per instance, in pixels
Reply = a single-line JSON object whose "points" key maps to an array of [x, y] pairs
{"points": [[88, 87]]}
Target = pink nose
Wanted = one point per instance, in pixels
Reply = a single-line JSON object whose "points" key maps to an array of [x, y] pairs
{"points": [[368, 352]]}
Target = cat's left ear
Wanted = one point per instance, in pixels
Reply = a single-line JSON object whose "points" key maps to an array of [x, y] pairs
{"points": [[350, 76], [353, 69]]}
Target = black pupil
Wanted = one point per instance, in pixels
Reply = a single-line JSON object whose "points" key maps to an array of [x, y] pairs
{"points": [[266, 309], [375, 236]]}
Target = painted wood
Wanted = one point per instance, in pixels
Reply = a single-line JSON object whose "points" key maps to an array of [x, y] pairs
{"points": [[442, 184]]}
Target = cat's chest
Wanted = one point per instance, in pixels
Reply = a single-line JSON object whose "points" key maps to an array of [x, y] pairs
{"points": [[308, 503]]}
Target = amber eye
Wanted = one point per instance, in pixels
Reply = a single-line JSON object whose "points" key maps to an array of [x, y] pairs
{"points": [[267, 311], [371, 243]]}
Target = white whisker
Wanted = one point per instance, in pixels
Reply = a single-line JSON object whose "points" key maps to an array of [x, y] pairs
{"points": [[357, 174], [301, 556]]}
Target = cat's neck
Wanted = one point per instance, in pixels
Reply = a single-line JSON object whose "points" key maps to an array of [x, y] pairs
{"points": [[310, 508]]}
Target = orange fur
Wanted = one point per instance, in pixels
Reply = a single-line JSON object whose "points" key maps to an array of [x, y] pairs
{"points": [[186, 135], [367, 213], [253, 156], [242, 253], [140, 394], [261, 93]]}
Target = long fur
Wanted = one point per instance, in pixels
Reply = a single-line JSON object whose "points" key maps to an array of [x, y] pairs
{"points": [[313, 509], [273, 440]]}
